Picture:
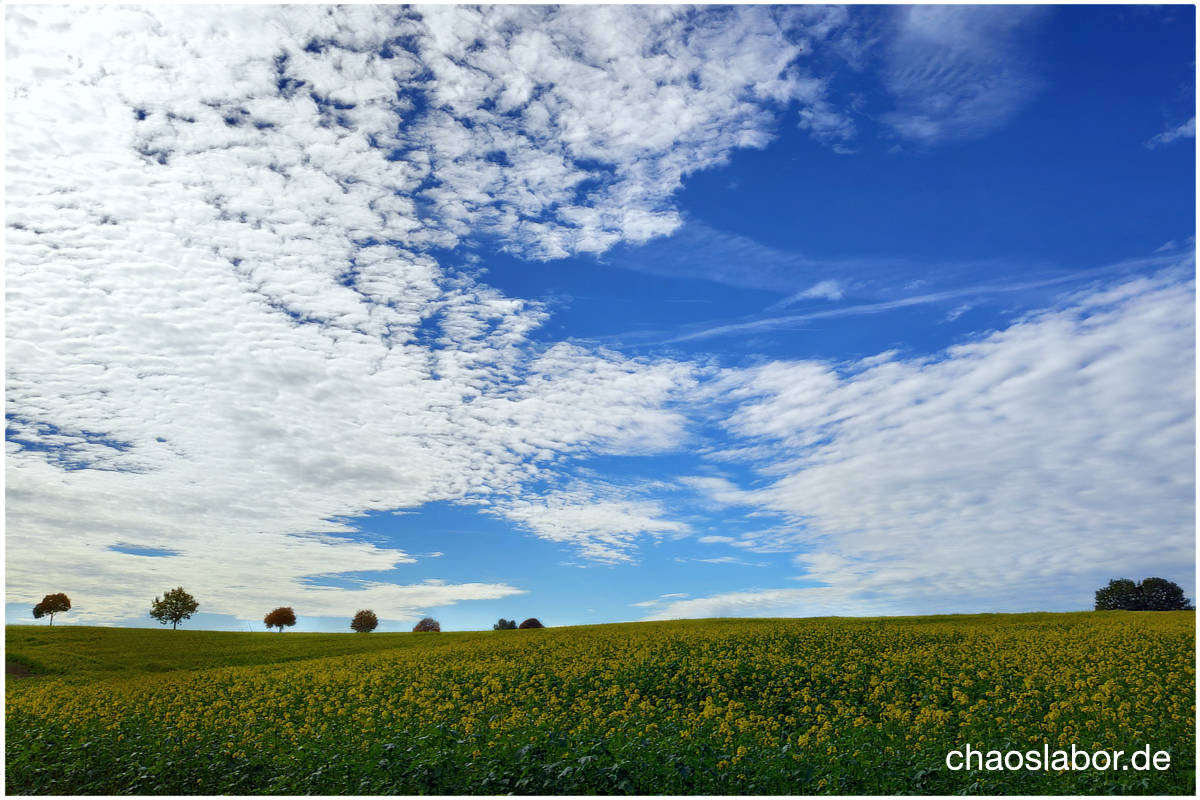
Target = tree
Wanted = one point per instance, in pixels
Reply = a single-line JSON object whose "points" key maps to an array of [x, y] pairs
{"points": [[280, 618], [1152, 594], [505, 625], [1160, 594], [427, 625], [364, 621], [52, 604], [175, 606], [532, 622], [1121, 594]]}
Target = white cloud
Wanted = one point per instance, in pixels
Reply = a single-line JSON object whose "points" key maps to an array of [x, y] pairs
{"points": [[603, 522], [662, 598], [824, 290], [956, 72], [958, 311], [722, 492], [828, 125], [817, 602], [1018, 471], [567, 130], [1186, 130], [226, 333], [1024, 468]]}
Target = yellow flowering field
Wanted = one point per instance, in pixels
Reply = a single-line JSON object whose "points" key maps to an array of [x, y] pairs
{"points": [[770, 706]]}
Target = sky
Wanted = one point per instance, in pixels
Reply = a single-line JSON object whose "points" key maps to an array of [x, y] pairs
{"points": [[596, 313]]}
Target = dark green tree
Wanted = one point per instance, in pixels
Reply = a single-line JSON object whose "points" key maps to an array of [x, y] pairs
{"points": [[1121, 594], [280, 618], [1160, 594], [52, 604], [505, 625], [1152, 594], [174, 607], [364, 621]]}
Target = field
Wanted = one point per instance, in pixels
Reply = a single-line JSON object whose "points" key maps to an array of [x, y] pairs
{"points": [[785, 706]]}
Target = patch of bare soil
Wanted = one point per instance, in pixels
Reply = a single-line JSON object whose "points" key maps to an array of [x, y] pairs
{"points": [[15, 669]]}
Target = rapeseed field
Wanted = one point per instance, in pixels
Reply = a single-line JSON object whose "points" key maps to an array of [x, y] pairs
{"points": [[775, 706]]}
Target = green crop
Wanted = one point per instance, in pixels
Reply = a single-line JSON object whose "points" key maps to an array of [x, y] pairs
{"points": [[810, 706]]}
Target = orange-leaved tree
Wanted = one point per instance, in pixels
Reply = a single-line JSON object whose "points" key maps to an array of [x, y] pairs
{"points": [[52, 604], [280, 618], [364, 621]]}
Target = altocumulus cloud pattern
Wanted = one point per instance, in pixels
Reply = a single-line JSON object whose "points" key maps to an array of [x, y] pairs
{"points": [[227, 322], [238, 318]]}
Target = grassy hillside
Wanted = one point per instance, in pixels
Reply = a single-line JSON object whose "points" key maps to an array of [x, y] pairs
{"points": [[92, 652], [81, 651], [846, 706]]}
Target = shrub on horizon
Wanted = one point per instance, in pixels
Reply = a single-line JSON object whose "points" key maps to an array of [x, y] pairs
{"points": [[532, 622], [427, 625]]}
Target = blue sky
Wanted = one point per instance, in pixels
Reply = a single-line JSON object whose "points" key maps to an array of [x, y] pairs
{"points": [[597, 314]]}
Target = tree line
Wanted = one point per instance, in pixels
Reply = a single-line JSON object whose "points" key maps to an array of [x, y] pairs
{"points": [[1121, 594], [1152, 594], [177, 605]]}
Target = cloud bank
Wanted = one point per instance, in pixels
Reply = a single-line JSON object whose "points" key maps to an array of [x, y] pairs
{"points": [[228, 324], [1056, 452]]}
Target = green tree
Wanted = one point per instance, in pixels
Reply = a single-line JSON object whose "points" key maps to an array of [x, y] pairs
{"points": [[1121, 594], [52, 604], [364, 621], [1160, 594], [174, 607], [1152, 594], [280, 618], [505, 625]]}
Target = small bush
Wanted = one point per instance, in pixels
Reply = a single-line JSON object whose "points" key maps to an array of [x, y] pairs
{"points": [[364, 621], [532, 622], [427, 625]]}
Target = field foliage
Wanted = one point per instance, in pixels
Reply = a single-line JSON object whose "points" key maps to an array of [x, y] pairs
{"points": [[848, 706]]}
